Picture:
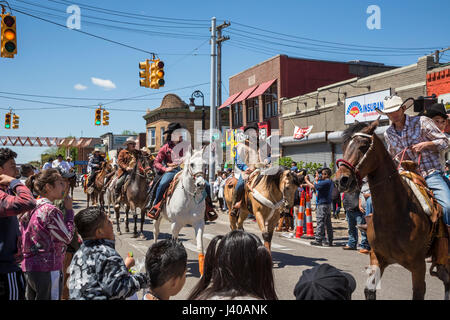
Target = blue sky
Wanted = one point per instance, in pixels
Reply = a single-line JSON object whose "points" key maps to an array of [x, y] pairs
{"points": [[52, 60]]}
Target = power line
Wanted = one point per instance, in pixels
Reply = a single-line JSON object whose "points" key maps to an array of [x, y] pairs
{"points": [[87, 33], [329, 42], [131, 15]]}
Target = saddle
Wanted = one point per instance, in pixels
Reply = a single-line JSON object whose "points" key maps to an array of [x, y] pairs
{"points": [[437, 245], [167, 194]]}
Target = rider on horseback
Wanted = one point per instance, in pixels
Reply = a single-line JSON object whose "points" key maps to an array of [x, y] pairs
{"points": [[418, 137], [95, 163], [167, 164], [248, 155], [60, 163], [123, 160]]}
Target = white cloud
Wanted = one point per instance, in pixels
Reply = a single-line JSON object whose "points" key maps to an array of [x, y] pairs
{"points": [[106, 84], [79, 86]]}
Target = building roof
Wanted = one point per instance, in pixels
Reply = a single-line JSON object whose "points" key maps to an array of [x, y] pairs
{"points": [[171, 101]]}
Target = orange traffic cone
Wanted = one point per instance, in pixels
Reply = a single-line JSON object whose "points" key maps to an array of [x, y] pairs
{"points": [[309, 223], [300, 215], [201, 262]]}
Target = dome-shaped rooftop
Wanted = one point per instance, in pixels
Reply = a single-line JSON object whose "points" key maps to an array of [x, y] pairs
{"points": [[172, 101]]}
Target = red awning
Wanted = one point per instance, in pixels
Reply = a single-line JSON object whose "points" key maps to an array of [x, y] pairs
{"points": [[261, 89], [230, 100], [245, 94]]}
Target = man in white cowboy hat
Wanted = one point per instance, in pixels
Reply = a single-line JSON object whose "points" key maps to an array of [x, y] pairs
{"points": [[418, 136], [95, 163], [123, 161], [70, 163]]}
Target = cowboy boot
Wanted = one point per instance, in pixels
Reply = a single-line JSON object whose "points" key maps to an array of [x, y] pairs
{"points": [[210, 213], [363, 227]]}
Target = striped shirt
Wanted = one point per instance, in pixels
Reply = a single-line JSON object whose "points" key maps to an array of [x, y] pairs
{"points": [[416, 130]]}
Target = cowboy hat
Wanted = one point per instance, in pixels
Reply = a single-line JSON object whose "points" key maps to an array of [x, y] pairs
{"points": [[391, 104], [145, 149], [129, 140], [172, 127], [437, 109], [96, 149]]}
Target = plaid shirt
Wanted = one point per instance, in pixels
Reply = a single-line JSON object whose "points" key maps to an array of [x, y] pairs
{"points": [[417, 130]]}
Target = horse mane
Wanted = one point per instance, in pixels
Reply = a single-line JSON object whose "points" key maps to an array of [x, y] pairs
{"points": [[354, 128], [272, 178]]}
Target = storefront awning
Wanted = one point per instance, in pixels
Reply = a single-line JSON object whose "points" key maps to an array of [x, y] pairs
{"points": [[245, 94], [230, 100], [261, 89]]}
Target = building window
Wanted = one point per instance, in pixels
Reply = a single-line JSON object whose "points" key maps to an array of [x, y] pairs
{"points": [[270, 99], [162, 137], [151, 137], [237, 114], [252, 110]]}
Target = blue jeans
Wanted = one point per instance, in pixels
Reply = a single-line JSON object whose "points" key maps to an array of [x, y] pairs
{"points": [[441, 189], [354, 218], [369, 206]]}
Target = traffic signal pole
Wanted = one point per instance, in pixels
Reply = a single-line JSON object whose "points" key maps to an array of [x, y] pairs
{"points": [[212, 95], [220, 39]]}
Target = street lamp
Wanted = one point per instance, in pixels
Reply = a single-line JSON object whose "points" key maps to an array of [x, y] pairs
{"points": [[198, 94]]}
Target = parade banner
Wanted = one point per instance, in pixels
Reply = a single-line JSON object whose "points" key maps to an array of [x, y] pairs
{"points": [[362, 107], [300, 133]]}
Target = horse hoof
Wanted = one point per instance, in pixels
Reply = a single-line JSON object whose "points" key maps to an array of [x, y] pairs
{"points": [[119, 232], [142, 237], [135, 235], [370, 294], [127, 229]]}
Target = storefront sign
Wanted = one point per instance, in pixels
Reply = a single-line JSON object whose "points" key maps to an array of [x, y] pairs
{"points": [[300, 133], [363, 108]]}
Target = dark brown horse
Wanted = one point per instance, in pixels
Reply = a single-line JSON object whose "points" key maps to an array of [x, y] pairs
{"points": [[72, 184], [135, 194], [399, 231]]}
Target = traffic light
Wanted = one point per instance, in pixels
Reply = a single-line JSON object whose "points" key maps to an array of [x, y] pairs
{"points": [[157, 74], [105, 118], [144, 74], [15, 124], [8, 36], [8, 120], [98, 116]]}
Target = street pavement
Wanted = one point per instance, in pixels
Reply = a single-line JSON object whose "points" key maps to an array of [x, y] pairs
{"points": [[290, 257]]}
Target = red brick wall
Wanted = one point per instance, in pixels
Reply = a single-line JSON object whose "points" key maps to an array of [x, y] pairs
{"points": [[438, 82]]}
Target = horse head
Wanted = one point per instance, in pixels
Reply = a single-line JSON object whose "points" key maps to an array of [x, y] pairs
{"points": [[194, 165], [359, 158], [144, 165], [289, 182]]}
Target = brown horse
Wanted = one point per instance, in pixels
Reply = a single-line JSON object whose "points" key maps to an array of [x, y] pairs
{"points": [[72, 184], [135, 195], [96, 193], [399, 231], [268, 194]]}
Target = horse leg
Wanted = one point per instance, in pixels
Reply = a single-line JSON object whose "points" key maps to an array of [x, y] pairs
{"points": [[199, 235], [127, 209], [418, 280], [156, 228], [377, 266], [117, 210], [142, 212], [135, 233]]}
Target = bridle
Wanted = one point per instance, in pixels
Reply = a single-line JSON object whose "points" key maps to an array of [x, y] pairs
{"points": [[195, 176], [355, 168]]}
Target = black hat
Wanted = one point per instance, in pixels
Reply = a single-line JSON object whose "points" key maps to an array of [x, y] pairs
{"points": [[324, 282], [251, 126], [172, 127], [437, 109]]}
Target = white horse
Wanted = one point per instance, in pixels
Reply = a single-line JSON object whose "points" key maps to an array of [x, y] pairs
{"points": [[187, 203]]}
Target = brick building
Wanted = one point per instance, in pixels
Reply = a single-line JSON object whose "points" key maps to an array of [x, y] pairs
{"points": [[255, 93], [438, 83], [173, 109], [330, 109]]}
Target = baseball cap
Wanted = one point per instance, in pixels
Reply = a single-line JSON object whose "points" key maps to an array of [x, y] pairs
{"points": [[324, 282]]}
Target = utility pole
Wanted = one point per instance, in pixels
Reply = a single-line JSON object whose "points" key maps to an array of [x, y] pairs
{"points": [[220, 39], [436, 54], [212, 110]]}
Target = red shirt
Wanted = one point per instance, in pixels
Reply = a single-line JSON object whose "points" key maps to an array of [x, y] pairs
{"points": [[165, 156]]}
